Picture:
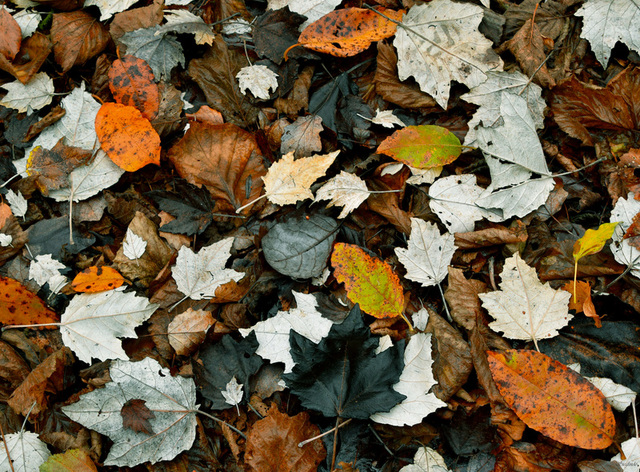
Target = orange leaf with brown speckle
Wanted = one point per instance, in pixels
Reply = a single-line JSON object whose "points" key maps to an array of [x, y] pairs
{"points": [[368, 280], [132, 83], [20, 306], [97, 279], [553, 399], [127, 137]]}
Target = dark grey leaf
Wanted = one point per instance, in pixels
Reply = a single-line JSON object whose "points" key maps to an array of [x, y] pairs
{"points": [[161, 52]]}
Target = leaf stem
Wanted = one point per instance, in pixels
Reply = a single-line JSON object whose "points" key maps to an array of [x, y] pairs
{"points": [[406, 320], [37, 325], [233, 428], [575, 282], [444, 301], [307, 441], [238, 210], [6, 448]]}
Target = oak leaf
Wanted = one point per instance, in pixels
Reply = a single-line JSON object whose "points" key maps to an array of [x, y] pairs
{"points": [[132, 83]]}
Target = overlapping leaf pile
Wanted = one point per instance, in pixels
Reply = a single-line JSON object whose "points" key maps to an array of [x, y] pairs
{"points": [[297, 235]]}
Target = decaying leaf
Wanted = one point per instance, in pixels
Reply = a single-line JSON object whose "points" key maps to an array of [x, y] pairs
{"points": [[77, 37], [97, 279], [52, 167], [131, 82], [77, 460], [20, 306], [258, 79]]}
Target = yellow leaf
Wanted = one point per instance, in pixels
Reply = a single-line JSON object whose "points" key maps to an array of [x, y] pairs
{"points": [[593, 240]]}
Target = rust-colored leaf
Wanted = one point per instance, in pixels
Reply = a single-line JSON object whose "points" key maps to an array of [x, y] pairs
{"points": [[225, 159], [97, 279], [127, 137], [349, 31], [136, 416], [11, 36], [132, 83], [206, 114], [423, 147], [10, 226], [272, 444], [50, 118], [33, 52], [19, 306], [77, 37], [582, 302], [368, 281], [553, 399], [632, 235], [51, 167], [136, 18], [528, 46]]}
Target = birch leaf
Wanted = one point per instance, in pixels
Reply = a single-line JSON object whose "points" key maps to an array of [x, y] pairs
{"points": [[29, 97], [345, 190], [133, 246], [524, 308], [441, 43], [258, 79], [428, 255], [26, 450]]}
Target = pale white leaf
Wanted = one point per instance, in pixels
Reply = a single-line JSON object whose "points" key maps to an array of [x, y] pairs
{"points": [[524, 308], [93, 322], [415, 382], [25, 3], [312, 9], [188, 329], [392, 168], [384, 343], [428, 255], [199, 275], [232, 393], [288, 180], [89, 179], [43, 267], [239, 26], [5, 239], [171, 399], [183, 21], [17, 203], [177, 2], [420, 319], [453, 199], [29, 97], [624, 211], [133, 246], [28, 21], [423, 176], [631, 449], [57, 282], [345, 190], [387, 119], [618, 396], [77, 126], [440, 44], [26, 450], [258, 80], [519, 200], [108, 8], [273, 333], [605, 22], [426, 460]]}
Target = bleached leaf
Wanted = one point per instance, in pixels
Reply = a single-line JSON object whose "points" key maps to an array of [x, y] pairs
{"points": [[26, 450], [384, 343], [423, 176], [177, 2], [199, 275], [28, 21], [89, 179], [258, 80], [5, 239], [512, 149], [57, 282], [631, 449], [624, 211], [289, 181], [428, 255], [93, 322], [441, 43], [420, 319], [34, 95], [312, 9], [273, 333], [387, 119], [43, 267], [490, 94], [605, 22], [183, 21], [519, 200], [345, 190], [426, 460], [232, 393], [415, 382], [237, 26], [188, 329], [77, 126], [108, 8], [17, 203], [162, 52], [524, 308], [618, 396], [453, 199], [171, 399], [133, 246]]}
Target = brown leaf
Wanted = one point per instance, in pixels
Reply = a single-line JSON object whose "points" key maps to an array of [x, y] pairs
{"points": [[528, 46], [136, 18], [216, 73], [272, 444], [550, 17], [11, 36], [50, 118], [206, 114], [47, 378], [579, 107], [463, 300], [525, 457], [302, 136], [136, 416], [188, 329], [77, 37], [389, 86], [33, 52], [388, 204], [582, 302], [298, 98], [13, 370], [51, 167], [452, 361], [492, 236], [168, 119], [225, 159], [9, 225]]}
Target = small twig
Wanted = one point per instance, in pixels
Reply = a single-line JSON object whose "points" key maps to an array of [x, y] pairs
{"points": [[492, 274], [233, 428], [6, 448], [444, 301], [377, 436], [307, 441]]}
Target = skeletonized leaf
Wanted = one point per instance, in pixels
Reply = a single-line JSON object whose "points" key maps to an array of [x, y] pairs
{"points": [[26, 450], [429, 253], [29, 97], [133, 246], [258, 79], [345, 190]]}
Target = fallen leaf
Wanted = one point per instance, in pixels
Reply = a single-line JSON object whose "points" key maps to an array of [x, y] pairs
{"points": [[17, 203], [77, 37], [12, 36], [553, 399], [426, 460], [387, 119], [623, 212], [272, 444], [161, 52], [127, 137], [463, 300], [133, 246], [185, 22], [528, 47], [345, 190], [136, 18], [423, 147], [52, 167], [132, 83], [524, 308], [29, 97], [233, 393], [593, 240], [349, 31], [73, 460], [33, 52], [312, 9], [25, 451], [519, 200], [188, 330], [136, 416], [108, 8], [97, 279], [258, 80], [369, 281], [171, 399], [631, 450], [618, 396], [302, 136], [43, 267], [19, 306]]}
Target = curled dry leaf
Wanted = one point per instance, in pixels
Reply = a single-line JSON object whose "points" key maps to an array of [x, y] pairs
{"points": [[34, 50]]}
